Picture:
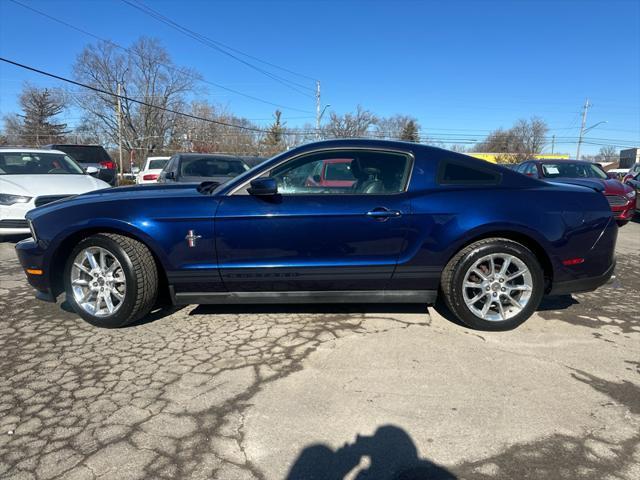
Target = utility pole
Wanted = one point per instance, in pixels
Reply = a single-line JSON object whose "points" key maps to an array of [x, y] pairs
{"points": [[317, 109], [584, 122], [119, 90], [553, 143]]}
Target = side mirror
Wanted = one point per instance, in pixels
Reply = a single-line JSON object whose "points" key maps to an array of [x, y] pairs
{"points": [[91, 170], [264, 186], [170, 176]]}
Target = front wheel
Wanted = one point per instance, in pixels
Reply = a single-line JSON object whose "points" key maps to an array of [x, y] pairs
{"points": [[111, 280], [493, 284]]}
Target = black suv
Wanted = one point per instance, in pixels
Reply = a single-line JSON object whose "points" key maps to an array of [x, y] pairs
{"points": [[91, 156]]}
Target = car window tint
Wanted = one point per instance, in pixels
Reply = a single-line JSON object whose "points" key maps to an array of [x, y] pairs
{"points": [[453, 173], [211, 167], [348, 172]]}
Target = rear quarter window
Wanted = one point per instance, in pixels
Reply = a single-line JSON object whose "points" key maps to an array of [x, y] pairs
{"points": [[455, 173]]}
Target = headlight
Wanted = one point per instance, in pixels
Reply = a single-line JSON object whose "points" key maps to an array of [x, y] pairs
{"points": [[33, 230], [6, 199], [631, 194]]}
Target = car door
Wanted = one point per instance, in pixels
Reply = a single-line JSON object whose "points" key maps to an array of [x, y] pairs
{"points": [[313, 237]]}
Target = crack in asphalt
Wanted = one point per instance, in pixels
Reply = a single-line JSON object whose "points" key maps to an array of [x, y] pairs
{"points": [[161, 400]]}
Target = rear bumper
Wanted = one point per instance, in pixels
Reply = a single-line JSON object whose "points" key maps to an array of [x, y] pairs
{"points": [[582, 284]]}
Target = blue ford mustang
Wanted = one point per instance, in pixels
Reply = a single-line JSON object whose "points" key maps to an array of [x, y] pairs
{"points": [[334, 221]]}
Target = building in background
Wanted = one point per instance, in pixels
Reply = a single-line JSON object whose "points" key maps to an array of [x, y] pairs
{"points": [[629, 156]]}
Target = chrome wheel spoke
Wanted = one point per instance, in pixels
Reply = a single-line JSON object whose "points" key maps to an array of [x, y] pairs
{"points": [[82, 268], [514, 302], [108, 302], [473, 300], [117, 295], [515, 275], [91, 259], [487, 290], [98, 283]]}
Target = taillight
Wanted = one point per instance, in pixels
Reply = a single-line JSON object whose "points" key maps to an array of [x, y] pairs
{"points": [[151, 176], [109, 165], [573, 261]]}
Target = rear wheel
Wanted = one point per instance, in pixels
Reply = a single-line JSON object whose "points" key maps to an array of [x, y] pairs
{"points": [[493, 284], [622, 223], [111, 280]]}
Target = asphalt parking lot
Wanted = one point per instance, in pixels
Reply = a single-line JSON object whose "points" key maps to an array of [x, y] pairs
{"points": [[323, 392]]}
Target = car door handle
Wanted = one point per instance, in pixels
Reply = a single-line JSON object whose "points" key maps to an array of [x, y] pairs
{"points": [[383, 214]]}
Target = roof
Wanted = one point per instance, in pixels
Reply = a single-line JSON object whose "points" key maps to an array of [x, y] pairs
{"points": [[29, 150]]}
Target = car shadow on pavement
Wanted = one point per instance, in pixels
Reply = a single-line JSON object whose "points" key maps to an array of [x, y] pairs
{"points": [[391, 455]]}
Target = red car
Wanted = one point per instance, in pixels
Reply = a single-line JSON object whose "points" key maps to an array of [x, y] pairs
{"points": [[621, 197], [332, 173]]}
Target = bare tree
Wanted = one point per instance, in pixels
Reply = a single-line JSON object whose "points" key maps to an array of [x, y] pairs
{"points": [[37, 125], [608, 153], [146, 73], [398, 127], [525, 139], [350, 125]]}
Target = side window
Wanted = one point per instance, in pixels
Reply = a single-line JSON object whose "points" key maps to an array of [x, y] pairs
{"points": [[531, 170], [520, 168], [346, 172], [454, 173]]}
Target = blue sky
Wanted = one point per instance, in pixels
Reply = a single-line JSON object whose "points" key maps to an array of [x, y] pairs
{"points": [[461, 68]]}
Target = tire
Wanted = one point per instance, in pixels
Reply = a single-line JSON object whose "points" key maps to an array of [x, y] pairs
{"points": [[135, 278], [622, 223], [502, 314]]}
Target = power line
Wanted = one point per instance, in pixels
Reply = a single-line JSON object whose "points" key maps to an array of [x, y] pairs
{"points": [[213, 44], [132, 100], [175, 69]]}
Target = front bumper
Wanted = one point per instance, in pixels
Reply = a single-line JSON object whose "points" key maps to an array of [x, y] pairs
{"points": [[582, 284], [31, 257]]}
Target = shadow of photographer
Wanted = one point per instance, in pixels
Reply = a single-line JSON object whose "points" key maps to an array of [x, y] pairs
{"points": [[391, 455]]}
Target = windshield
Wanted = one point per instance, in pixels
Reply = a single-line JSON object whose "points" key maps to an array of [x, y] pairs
{"points": [[32, 163], [572, 170], [211, 167], [85, 153], [158, 164]]}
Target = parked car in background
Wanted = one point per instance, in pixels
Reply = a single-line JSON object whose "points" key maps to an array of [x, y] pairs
{"points": [[91, 156], [617, 173], [31, 178], [622, 198], [634, 182], [151, 170], [633, 172], [417, 220], [202, 167], [335, 172]]}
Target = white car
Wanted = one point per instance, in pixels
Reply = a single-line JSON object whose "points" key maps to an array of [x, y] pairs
{"points": [[151, 171], [31, 178]]}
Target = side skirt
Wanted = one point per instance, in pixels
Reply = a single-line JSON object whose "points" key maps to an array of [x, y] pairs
{"points": [[350, 296]]}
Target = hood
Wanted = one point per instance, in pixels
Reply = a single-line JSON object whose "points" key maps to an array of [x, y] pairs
{"points": [[53, 184], [134, 193], [609, 186]]}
